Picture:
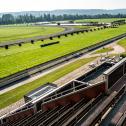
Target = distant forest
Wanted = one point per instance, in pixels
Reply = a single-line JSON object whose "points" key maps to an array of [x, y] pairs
{"points": [[10, 19]]}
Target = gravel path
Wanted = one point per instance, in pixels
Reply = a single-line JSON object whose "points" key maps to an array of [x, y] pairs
{"points": [[117, 49]]}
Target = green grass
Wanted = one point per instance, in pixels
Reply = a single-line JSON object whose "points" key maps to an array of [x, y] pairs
{"points": [[19, 58], [106, 20], [18, 93], [103, 50], [9, 33], [122, 43]]}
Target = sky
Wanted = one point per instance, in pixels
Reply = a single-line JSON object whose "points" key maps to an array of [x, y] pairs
{"points": [[40, 5]]}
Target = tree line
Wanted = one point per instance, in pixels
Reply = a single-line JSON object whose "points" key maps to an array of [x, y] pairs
{"points": [[10, 19]]}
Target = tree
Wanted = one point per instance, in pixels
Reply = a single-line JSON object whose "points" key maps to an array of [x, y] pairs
{"points": [[8, 19]]}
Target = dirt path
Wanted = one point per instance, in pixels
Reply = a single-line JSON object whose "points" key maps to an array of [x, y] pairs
{"points": [[117, 49]]}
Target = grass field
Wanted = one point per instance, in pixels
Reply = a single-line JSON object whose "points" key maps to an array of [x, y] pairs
{"points": [[103, 50], [21, 32], [19, 58], [122, 43], [18, 93], [105, 20]]}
